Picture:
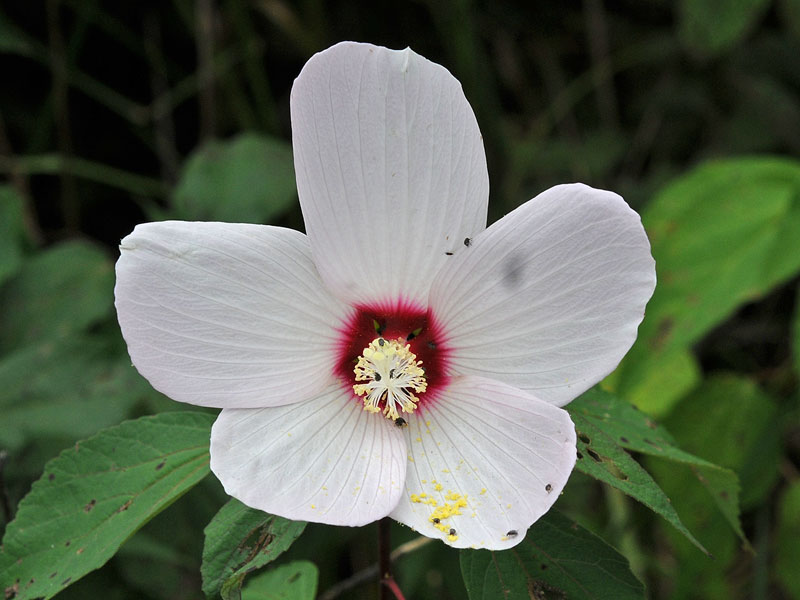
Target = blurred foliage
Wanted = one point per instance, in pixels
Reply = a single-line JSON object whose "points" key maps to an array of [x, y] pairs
{"points": [[294, 581], [564, 556], [724, 234], [249, 179], [117, 113], [726, 419]]}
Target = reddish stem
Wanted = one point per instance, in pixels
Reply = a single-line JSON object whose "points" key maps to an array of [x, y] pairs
{"points": [[390, 583], [386, 582], [384, 563]]}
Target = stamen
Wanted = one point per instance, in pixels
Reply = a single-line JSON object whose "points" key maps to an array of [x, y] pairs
{"points": [[392, 374], [413, 334]]}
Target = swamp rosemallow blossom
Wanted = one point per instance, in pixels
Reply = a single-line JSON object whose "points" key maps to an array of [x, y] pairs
{"points": [[400, 359]]}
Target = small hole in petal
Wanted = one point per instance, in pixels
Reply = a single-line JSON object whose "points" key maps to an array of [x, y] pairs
{"points": [[449, 254], [548, 488], [512, 533], [467, 242], [452, 531]]}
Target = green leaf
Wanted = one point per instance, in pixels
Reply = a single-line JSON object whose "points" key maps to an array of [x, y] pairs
{"points": [[723, 235], [599, 456], [11, 231], [294, 581], [248, 179], [93, 497], [787, 549], [657, 389], [240, 539], [796, 333], [556, 555], [710, 27], [729, 420], [58, 292], [69, 397], [622, 425]]}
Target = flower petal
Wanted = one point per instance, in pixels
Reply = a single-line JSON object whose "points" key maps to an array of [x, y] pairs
{"points": [[325, 460], [226, 315], [549, 298], [502, 453], [391, 172]]}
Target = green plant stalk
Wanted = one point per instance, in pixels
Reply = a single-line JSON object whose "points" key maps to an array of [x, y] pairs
{"points": [[55, 164]]}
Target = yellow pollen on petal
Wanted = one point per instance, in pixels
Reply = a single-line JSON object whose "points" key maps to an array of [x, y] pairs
{"points": [[391, 374], [444, 511]]}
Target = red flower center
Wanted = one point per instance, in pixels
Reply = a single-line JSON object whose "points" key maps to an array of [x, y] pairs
{"points": [[415, 326]]}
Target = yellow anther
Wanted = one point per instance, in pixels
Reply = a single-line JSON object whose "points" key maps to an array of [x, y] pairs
{"points": [[392, 374]]}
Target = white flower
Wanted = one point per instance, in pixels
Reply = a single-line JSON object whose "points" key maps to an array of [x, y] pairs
{"points": [[400, 359]]}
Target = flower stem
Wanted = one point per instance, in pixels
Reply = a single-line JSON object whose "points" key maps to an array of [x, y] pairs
{"points": [[371, 571], [387, 586], [384, 563], [390, 584]]}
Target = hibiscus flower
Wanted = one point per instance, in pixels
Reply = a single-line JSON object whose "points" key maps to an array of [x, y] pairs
{"points": [[400, 358]]}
